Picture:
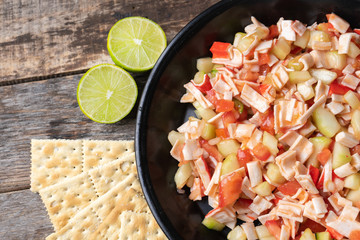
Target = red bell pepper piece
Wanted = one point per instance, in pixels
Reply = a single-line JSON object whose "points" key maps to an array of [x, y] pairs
{"points": [[274, 227], [314, 173], [230, 189], [336, 88], [212, 150], [220, 50], [334, 234], [205, 85]]}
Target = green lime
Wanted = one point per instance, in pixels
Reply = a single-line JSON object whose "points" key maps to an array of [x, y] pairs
{"points": [[106, 93], [135, 43]]}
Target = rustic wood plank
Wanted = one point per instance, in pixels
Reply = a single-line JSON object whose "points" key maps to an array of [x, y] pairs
{"points": [[46, 109], [23, 216], [42, 38]]}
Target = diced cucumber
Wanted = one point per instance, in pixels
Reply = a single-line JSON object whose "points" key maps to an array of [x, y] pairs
{"points": [[238, 37], [228, 146], [204, 64], [281, 49], [335, 60], [182, 175], [294, 64], [319, 144], [355, 123], [213, 224], [174, 135], [323, 236], [320, 36], [326, 122], [299, 76], [307, 235], [354, 196], [199, 77], [263, 189], [274, 174], [208, 131], [271, 143], [236, 234], [352, 181], [352, 100], [302, 41], [341, 155], [262, 232], [306, 91], [230, 164], [354, 51], [245, 43], [205, 113], [324, 75]]}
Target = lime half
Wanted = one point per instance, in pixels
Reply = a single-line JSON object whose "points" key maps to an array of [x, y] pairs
{"points": [[106, 93], [135, 43]]}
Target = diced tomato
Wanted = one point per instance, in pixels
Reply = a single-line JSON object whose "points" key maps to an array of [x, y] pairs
{"points": [[220, 50], [320, 183], [264, 69], [274, 227], [276, 200], [205, 85], [273, 32], [228, 117], [336, 88], [355, 149], [212, 150], [223, 105], [248, 75], [261, 152], [331, 146], [222, 133], [230, 189], [314, 226], [323, 156], [338, 72], [244, 157], [264, 58], [267, 122], [334, 234], [243, 115], [358, 32], [211, 96], [289, 188], [314, 173], [355, 235], [242, 203], [295, 50]]}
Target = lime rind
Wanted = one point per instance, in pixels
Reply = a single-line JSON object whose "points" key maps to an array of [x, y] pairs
{"points": [[122, 48], [91, 101]]}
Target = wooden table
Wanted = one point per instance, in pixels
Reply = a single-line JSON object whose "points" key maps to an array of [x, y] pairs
{"points": [[45, 47]]}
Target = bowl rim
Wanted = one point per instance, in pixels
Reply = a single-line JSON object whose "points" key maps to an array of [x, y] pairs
{"points": [[175, 45]]}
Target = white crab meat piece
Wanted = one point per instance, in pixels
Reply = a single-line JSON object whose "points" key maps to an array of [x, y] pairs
{"points": [[287, 31], [228, 78], [198, 95], [349, 69], [176, 150], [267, 217], [329, 185], [259, 205], [254, 139], [331, 217], [289, 137], [255, 119], [303, 147], [349, 213], [249, 229], [293, 225], [190, 148], [203, 171], [298, 27], [346, 139], [214, 179], [338, 23], [337, 98], [224, 215], [321, 90], [335, 107], [255, 173], [283, 76], [307, 183], [246, 188], [319, 205], [244, 131], [345, 170], [309, 111], [350, 81], [273, 60], [338, 202], [301, 195], [246, 217], [254, 99], [236, 58], [344, 227], [231, 128], [213, 201], [221, 87], [290, 210], [307, 129], [322, 46], [319, 58], [355, 161], [195, 190], [344, 42], [264, 45], [217, 121], [285, 232], [309, 212], [286, 161], [187, 98], [335, 43], [307, 60]]}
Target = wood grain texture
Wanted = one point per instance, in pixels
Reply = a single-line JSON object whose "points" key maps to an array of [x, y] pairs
{"points": [[23, 216], [43, 38], [47, 110]]}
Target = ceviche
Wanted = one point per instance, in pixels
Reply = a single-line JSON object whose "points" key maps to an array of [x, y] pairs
{"points": [[276, 137]]}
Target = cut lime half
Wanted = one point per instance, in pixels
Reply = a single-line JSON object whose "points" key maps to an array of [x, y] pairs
{"points": [[135, 43], [106, 93]]}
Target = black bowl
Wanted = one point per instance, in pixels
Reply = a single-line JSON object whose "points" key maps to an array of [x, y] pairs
{"points": [[160, 111]]}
